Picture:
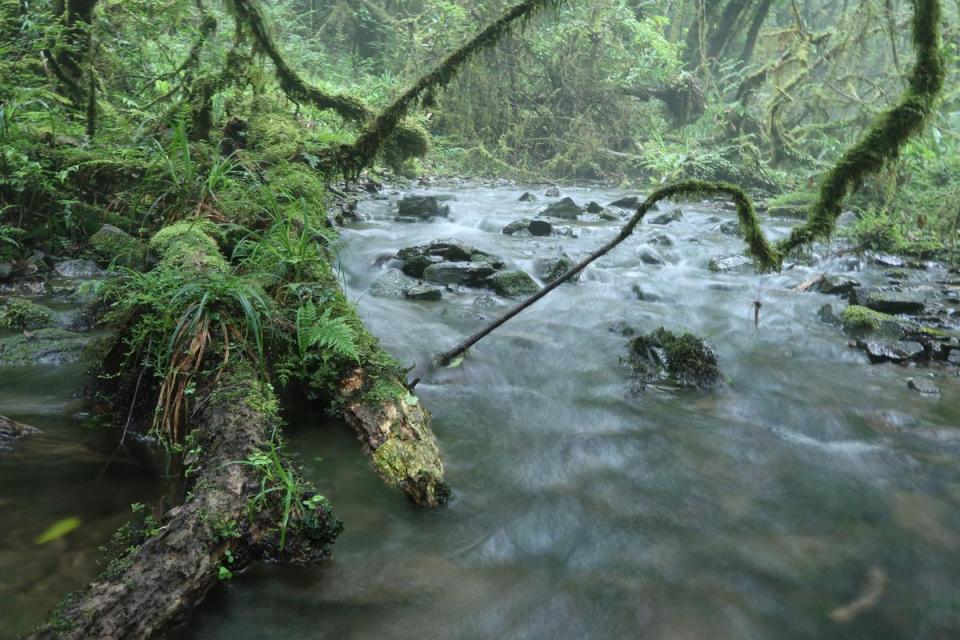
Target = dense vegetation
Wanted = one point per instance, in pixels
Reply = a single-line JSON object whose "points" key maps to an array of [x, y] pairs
{"points": [[197, 147]]}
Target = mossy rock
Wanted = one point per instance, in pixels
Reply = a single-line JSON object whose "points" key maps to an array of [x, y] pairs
{"points": [[684, 360], [115, 246], [795, 204], [860, 322], [189, 244], [512, 283], [42, 347], [20, 314]]}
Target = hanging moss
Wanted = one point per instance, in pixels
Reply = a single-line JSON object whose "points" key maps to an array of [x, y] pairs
{"points": [[889, 132], [374, 135]]}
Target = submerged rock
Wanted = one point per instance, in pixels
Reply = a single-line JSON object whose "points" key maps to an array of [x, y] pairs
{"points": [[888, 351], [552, 192], [414, 266], [684, 360], [421, 208], [44, 347], [594, 207], [668, 218], [566, 209], [540, 228], [827, 316], [660, 240], [512, 283], [923, 387], [731, 228], [730, 263], [11, 430], [837, 285], [651, 257], [392, 284], [528, 197], [465, 273], [516, 226]]}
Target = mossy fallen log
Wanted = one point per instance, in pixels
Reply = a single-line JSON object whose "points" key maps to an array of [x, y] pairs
{"points": [[226, 522]]}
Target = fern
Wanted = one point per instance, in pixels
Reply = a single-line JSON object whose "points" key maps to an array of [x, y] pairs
{"points": [[333, 335]]}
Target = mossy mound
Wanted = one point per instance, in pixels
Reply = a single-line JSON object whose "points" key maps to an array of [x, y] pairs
{"points": [[115, 246], [861, 322], [512, 283], [20, 314], [42, 347], [684, 360]]}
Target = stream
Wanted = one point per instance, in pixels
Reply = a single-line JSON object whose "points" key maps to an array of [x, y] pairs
{"points": [[583, 506]]}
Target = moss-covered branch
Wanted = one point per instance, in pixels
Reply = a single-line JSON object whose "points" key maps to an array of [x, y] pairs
{"points": [[248, 13]]}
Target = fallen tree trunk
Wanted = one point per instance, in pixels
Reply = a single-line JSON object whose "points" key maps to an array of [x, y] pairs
{"points": [[214, 533], [11, 430]]}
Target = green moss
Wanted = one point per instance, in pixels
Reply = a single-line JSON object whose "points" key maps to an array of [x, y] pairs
{"points": [[413, 465], [189, 244], [861, 322], [512, 283], [20, 314], [115, 246], [683, 359], [794, 204], [43, 347]]}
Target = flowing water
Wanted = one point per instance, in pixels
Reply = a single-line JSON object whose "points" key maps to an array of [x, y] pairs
{"points": [[584, 508]]}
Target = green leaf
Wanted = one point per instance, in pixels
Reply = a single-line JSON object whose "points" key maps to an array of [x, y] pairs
{"points": [[58, 529]]}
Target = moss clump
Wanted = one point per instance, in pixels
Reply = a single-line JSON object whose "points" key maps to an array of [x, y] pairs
{"points": [[792, 205], [685, 360], [512, 283], [20, 314], [413, 465], [115, 246], [42, 347], [860, 322], [189, 244]]}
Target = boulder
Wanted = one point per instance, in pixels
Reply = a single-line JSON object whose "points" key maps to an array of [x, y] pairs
{"points": [[889, 351], [549, 269], [528, 197], [837, 285], [42, 347], [78, 269], [512, 283], [892, 302], [668, 218], [646, 296], [730, 263], [827, 316], [660, 240], [423, 292], [552, 192], [21, 314], [414, 266], [540, 228], [392, 284], [683, 360], [421, 208], [450, 250], [630, 202], [731, 228], [861, 322], [465, 273], [923, 387], [516, 226], [594, 207], [566, 209], [115, 246]]}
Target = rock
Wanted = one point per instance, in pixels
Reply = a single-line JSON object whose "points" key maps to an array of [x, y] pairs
{"points": [[115, 246], [630, 202], [883, 351], [528, 197], [827, 316], [730, 228], [517, 226], [861, 322], [651, 257], [889, 301], [660, 240], [730, 263], [465, 273], [923, 387], [837, 285], [668, 218], [392, 284], [449, 250], [549, 269], [512, 283], [609, 216], [416, 265], [42, 347], [540, 228], [11, 430], [423, 292], [885, 260], [683, 360], [421, 208], [552, 192], [6, 270], [593, 207], [78, 269], [566, 209], [645, 295]]}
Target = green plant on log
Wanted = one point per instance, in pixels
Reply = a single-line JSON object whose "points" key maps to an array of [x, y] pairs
{"points": [[332, 335]]}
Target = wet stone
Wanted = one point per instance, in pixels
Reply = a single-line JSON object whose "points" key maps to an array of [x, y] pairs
{"points": [[651, 257], [594, 207], [416, 265], [837, 285], [512, 283], [423, 292], [549, 269], [630, 202], [885, 260], [730, 263], [552, 192], [730, 228], [421, 208], [892, 302], [540, 228], [566, 209], [923, 387], [668, 218], [528, 197], [466, 273], [903, 351], [78, 269]]}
